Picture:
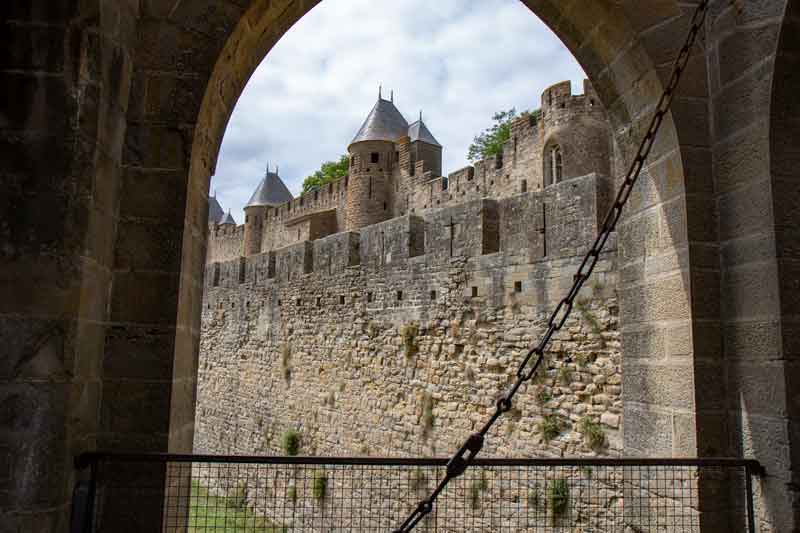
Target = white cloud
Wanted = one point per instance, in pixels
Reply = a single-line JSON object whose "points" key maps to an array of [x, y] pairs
{"points": [[458, 60]]}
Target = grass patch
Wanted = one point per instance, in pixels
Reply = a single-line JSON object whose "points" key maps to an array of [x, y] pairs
{"points": [[286, 363], [565, 376], [291, 443], [550, 427], [476, 489], [593, 434], [543, 395], [320, 487], [215, 513], [427, 415], [409, 334], [418, 480], [558, 498]]}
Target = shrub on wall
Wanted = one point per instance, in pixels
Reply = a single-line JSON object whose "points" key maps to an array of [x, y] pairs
{"points": [[550, 427], [291, 443]]}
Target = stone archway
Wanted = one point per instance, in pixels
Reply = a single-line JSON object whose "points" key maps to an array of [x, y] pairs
{"points": [[128, 107]]}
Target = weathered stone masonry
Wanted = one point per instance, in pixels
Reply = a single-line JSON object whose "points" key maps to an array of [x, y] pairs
{"points": [[347, 339]]}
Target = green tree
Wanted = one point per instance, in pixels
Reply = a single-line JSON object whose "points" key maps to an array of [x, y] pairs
{"points": [[490, 141], [330, 171]]}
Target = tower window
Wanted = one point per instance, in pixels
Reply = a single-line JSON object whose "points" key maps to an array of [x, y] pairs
{"points": [[555, 162], [524, 186], [375, 157], [517, 286], [369, 297], [474, 292], [385, 206], [397, 157], [341, 300], [399, 296], [433, 295]]}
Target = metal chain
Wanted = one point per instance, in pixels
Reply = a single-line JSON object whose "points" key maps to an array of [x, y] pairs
{"points": [[472, 447]]}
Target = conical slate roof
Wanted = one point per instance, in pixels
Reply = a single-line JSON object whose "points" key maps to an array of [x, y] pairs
{"points": [[384, 123], [271, 191], [215, 212], [228, 219], [418, 131]]}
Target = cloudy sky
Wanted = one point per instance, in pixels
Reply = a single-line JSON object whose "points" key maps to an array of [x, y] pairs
{"points": [[458, 61]]}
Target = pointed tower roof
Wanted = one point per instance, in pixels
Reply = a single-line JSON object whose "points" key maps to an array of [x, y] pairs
{"points": [[384, 123], [418, 131], [270, 192], [215, 211], [228, 219]]}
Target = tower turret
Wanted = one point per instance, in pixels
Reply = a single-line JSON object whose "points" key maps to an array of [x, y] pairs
{"points": [[373, 155], [215, 212], [270, 192], [424, 148]]}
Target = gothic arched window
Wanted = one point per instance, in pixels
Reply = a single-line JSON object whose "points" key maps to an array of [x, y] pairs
{"points": [[556, 165]]}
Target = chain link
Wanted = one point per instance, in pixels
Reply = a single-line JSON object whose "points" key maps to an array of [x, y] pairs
{"points": [[472, 447]]}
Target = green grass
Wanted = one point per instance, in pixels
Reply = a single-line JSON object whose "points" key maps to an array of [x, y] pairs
{"points": [[224, 515]]}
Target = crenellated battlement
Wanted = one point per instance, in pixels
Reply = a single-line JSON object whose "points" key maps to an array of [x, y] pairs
{"points": [[557, 222]]}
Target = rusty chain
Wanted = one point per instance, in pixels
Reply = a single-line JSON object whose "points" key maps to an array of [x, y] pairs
{"points": [[472, 447]]}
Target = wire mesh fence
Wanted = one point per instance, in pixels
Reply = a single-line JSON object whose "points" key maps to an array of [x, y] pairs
{"points": [[271, 495]]}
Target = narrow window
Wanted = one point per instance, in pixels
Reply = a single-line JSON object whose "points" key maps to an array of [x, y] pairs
{"points": [[319, 301], [216, 275], [396, 157], [375, 157], [474, 292], [242, 270], [524, 186], [370, 188], [399, 296], [299, 302], [369, 297], [517, 286], [433, 295], [341, 300], [385, 206]]}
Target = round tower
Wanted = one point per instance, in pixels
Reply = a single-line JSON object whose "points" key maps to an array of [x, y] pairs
{"points": [[270, 192], [577, 138], [373, 155]]}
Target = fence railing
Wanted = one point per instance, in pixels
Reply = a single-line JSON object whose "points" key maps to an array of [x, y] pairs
{"points": [[176, 493]]}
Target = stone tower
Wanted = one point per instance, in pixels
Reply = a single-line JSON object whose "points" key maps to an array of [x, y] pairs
{"points": [[269, 193], [373, 156]]}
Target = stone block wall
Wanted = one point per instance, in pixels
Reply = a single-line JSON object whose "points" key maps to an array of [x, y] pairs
{"points": [[386, 342]]}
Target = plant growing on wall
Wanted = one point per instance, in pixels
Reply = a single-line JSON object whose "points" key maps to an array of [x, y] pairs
{"points": [[409, 334], [427, 415], [593, 433], [558, 498], [286, 363], [478, 486], [565, 375], [550, 427], [320, 486], [291, 443], [328, 172]]}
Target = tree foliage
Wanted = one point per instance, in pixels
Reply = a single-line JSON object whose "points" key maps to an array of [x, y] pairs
{"points": [[490, 141], [330, 171]]}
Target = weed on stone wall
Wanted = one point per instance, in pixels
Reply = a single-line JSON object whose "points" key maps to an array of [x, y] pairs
{"points": [[320, 486], [478, 486], [550, 427], [593, 434], [582, 305], [409, 334], [543, 395], [291, 443], [558, 499], [291, 494], [427, 418], [418, 480], [286, 363], [565, 376]]}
